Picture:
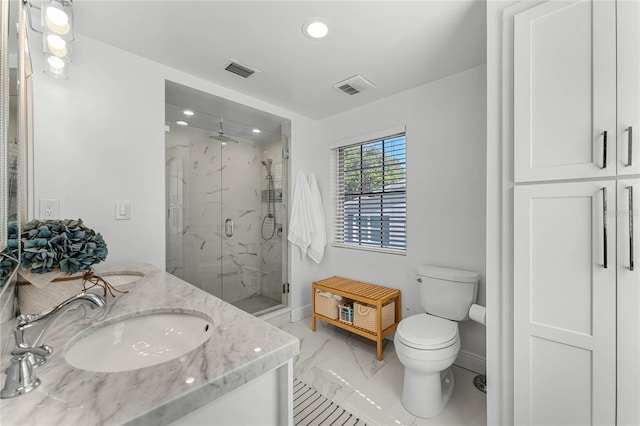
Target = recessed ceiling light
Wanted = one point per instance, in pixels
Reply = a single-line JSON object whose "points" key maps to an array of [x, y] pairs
{"points": [[182, 123], [315, 28], [256, 130], [187, 112]]}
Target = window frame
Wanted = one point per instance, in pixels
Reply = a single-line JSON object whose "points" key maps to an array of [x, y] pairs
{"points": [[385, 195]]}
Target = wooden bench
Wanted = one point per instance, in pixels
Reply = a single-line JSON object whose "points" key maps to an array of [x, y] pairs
{"points": [[370, 294]]}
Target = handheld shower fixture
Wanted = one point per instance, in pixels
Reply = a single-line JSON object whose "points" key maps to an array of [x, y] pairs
{"points": [[268, 226]]}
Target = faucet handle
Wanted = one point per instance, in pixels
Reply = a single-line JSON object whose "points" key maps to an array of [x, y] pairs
{"points": [[36, 356], [41, 351]]}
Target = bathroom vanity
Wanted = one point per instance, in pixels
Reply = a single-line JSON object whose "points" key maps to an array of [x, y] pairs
{"points": [[245, 362]]}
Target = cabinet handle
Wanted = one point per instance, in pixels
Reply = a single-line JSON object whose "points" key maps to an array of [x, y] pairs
{"points": [[228, 227], [630, 146], [604, 224], [604, 150], [631, 259]]}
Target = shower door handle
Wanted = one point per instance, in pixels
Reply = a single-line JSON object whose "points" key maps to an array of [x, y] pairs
{"points": [[228, 227]]}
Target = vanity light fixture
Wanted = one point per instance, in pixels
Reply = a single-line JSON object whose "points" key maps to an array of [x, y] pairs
{"points": [[188, 112], [55, 19], [182, 123], [315, 28]]}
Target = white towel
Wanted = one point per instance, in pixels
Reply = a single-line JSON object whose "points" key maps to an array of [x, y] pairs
{"points": [[300, 225], [319, 231]]}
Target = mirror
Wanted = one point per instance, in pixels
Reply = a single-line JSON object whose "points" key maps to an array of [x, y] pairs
{"points": [[15, 105]]}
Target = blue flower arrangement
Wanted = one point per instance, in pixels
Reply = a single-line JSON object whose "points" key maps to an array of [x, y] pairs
{"points": [[65, 244]]}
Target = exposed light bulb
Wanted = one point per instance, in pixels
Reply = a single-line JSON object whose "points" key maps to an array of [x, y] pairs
{"points": [[56, 66], [57, 20], [56, 45]]}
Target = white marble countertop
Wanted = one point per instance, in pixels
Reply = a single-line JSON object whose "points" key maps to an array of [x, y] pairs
{"points": [[154, 395]]}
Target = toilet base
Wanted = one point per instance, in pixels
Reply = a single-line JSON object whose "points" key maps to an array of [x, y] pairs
{"points": [[427, 395]]}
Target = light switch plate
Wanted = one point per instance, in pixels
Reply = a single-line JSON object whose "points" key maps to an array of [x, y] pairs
{"points": [[123, 210]]}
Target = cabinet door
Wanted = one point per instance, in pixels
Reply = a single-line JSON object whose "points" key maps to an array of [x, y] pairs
{"points": [[565, 90], [628, 86], [565, 304], [628, 302]]}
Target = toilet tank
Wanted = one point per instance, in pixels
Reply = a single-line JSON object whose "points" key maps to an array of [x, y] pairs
{"points": [[447, 293]]}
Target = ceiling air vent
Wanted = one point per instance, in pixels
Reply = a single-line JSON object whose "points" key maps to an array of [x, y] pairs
{"points": [[354, 85], [238, 69]]}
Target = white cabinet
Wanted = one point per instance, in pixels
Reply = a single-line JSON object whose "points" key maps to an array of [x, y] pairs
{"points": [[565, 303], [567, 56], [628, 67], [628, 308], [576, 281]]}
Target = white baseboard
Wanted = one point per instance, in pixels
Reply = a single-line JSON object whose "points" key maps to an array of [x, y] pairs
{"points": [[301, 313], [471, 361]]}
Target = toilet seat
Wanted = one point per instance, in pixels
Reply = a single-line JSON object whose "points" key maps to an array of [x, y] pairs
{"points": [[427, 332]]}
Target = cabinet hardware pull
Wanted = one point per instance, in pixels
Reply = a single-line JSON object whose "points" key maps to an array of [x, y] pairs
{"points": [[630, 147], [228, 227], [604, 223], [631, 259], [604, 150]]}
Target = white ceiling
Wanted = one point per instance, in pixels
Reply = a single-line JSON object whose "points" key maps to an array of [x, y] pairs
{"points": [[397, 45]]}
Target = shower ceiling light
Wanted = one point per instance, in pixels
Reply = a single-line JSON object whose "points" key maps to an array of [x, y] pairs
{"points": [[315, 28]]}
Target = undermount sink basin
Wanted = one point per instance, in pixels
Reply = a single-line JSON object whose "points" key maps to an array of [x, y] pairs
{"points": [[137, 342], [121, 278]]}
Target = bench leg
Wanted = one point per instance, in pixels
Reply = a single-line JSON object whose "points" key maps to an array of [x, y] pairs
{"points": [[313, 323], [379, 342]]}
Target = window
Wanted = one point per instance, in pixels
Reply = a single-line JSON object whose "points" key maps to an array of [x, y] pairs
{"points": [[371, 201]]}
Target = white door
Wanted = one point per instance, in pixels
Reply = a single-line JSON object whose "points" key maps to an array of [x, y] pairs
{"points": [[565, 304], [628, 86], [565, 90], [628, 302]]}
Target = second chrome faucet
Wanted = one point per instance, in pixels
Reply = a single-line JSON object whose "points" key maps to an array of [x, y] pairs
{"points": [[21, 376]]}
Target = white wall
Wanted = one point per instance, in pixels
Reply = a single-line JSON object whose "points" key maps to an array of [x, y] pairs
{"points": [[99, 137], [446, 161]]}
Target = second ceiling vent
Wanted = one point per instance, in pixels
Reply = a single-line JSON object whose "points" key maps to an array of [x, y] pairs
{"points": [[239, 69], [354, 85]]}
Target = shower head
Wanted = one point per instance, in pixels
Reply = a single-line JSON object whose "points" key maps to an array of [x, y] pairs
{"points": [[221, 136], [267, 165]]}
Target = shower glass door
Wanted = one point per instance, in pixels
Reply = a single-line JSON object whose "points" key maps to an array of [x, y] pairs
{"points": [[226, 217]]}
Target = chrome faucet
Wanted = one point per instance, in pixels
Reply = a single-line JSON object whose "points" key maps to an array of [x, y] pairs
{"points": [[26, 321], [21, 376]]}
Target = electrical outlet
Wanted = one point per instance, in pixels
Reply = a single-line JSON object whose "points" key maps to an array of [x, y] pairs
{"points": [[49, 209]]}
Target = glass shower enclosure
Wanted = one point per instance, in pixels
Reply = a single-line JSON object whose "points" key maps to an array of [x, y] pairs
{"points": [[226, 216]]}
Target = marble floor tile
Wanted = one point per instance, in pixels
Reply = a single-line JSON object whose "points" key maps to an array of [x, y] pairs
{"points": [[343, 367]]}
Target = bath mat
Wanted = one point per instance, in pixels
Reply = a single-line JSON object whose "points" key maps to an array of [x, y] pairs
{"points": [[310, 408]]}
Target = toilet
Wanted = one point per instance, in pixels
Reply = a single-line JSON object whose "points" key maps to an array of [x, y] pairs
{"points": [[427, 344]]}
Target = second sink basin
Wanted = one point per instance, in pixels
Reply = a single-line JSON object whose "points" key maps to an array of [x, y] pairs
{"points": [[137, 342]]}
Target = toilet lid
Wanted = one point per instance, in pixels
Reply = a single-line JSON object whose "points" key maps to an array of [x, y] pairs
{"points": [[424, 331]]}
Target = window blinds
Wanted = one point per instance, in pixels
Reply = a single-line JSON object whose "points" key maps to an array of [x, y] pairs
{"points": [[371, 203]]}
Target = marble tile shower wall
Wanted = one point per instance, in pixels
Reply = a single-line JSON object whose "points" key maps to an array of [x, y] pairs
{"points": [[273, 250], [223, 184]]}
